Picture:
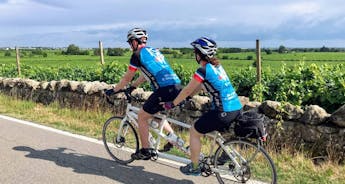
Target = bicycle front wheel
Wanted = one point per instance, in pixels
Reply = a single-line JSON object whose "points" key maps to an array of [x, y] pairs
{"points": [[120, 139], [250, 163]]}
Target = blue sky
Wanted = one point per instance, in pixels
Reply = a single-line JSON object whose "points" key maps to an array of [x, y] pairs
{"points": [[173, 23]]}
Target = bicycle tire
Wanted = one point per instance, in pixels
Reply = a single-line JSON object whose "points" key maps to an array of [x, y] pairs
{"points": [[120, 150], [258, 167]]}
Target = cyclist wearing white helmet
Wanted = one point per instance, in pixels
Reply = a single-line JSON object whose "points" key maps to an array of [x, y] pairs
{"points": [[164, 82], [226, 105]]}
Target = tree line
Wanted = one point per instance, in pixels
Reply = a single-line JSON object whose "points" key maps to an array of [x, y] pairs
{"points": [[73, 49]]}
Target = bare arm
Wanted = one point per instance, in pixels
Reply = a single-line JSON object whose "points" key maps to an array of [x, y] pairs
{"points": [[196, 91], [125, 80], [192, 86], [139, 81]]}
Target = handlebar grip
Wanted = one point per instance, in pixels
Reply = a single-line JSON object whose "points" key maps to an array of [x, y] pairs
{"points": [[110, 92]]}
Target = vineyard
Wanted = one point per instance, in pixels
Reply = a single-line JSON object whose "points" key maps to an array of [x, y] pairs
{"points": [[297, 78]]}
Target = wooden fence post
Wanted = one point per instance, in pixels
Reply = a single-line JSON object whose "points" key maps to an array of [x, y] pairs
{"points": [[101, 52], [18, 61], [258, 62]]}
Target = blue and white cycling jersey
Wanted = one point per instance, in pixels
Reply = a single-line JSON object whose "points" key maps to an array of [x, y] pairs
{"points": [[155, 68], [217, 83]]}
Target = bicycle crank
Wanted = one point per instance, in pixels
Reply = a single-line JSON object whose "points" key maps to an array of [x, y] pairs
{"points": [[154, 155], [206, 170]]}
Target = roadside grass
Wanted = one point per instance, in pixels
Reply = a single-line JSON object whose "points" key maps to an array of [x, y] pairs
{"points": [[88, 123], [291, 168], [299, 169]]}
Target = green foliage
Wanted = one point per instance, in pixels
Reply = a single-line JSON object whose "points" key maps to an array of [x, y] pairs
{"points": [[9, 70], [268, 51], [184, 75], [174, 52], [250, 57], [258, 92], [116, 52], [37, 52], [186, 51], [72, 50], [84, 52], [96, 52], [7, 53], [111, 73], [282, 49], [229, 50], [225, 57], [301, 85], [243, 80], [324, 49]]}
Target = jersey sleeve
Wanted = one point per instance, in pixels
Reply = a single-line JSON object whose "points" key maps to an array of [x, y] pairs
{"points": [[200, 74], [134, 62]]}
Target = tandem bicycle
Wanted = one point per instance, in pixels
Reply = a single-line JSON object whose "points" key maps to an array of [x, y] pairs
{"points": [[237, 160]]}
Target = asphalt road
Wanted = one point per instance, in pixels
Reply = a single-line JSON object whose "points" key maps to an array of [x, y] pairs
{"points": [[30, 153]]}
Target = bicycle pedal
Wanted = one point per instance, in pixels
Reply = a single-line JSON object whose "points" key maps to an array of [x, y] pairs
{"points": [[167, 147], [154, 156]]}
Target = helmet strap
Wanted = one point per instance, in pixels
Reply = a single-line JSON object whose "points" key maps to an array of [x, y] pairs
{"points": [[197, 57], [139, 41], [134, 48]]}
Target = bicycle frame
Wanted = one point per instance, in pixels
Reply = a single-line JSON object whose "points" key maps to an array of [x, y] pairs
{"points": [[132, 116]]}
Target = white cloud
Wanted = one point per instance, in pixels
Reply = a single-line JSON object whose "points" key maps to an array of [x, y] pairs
{"points": [[173, 21], [301, 8]]}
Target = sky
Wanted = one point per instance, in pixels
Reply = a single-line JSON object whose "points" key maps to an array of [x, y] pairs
{"points": [[173, 23]]}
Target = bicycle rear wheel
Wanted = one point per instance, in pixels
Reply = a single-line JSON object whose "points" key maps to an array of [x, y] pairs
{"points": [[120, 141], [256, 166]]}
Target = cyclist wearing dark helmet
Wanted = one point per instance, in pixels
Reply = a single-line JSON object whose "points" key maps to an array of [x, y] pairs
{"points": [[226, 105], [164, 82]]}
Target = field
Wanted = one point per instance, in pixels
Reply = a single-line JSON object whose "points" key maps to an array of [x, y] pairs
{"points": [[231, 61]]}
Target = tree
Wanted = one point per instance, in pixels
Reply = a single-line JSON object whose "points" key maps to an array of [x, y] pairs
{"points": [[72, 50], [7, 54], [115, 52], [84, 52], [324, 49], [250, 57], [229, 50], [282, 49], [186, 51], [268, 51], [96, 52]]}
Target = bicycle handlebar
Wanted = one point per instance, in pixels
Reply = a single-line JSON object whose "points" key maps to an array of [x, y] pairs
{"points": [[126, 91]]}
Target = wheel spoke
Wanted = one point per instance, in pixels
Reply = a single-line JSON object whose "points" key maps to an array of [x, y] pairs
{"points": [[243, 162], [120, 139]]}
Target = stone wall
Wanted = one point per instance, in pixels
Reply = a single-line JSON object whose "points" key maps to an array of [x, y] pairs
{"points": [[323, 134]]}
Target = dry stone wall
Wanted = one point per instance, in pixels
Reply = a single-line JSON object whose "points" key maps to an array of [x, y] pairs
{"points": [[311, 127]]}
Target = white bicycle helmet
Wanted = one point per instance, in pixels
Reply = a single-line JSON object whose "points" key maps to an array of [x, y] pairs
{"points": [[206, 46], [136, 33]]}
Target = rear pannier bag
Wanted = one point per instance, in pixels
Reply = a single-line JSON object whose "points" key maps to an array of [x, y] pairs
{"points": [[250, 124]]}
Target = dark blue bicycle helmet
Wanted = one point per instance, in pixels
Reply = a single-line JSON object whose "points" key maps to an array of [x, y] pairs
{"points": [[206, 46]]}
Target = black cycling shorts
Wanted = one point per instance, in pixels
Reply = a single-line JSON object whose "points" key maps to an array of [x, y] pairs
{"points": [[215, 120], [163, 94]]}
